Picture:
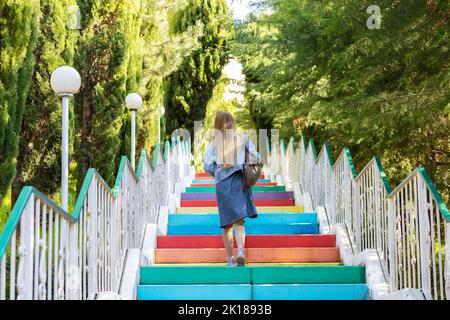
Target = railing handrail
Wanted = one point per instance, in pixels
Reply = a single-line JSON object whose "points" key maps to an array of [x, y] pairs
{"points": [[16, 213], [27, 191], [390, 193]]}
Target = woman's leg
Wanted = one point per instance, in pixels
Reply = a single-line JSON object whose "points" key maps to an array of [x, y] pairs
{"points": [[240, 239], [228, 241], [240, 233]]}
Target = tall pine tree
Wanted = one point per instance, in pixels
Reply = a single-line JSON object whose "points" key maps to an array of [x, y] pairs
{"points": [[102, 58], [40, 147], [18, 36], [191, 87]]}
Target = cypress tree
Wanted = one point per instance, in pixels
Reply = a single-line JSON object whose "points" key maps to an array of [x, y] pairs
{"points": [[191, 86], [103, 61], [160, 53], [40, 146], [18, 36]]}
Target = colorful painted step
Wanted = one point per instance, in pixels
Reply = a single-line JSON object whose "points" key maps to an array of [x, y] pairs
{"points": [[310, 292], [264, 218], [254, 255], [251, 229], [256, 264], [267, 209], [194, 275], [202, 174], [307, 274], [254, 189], [251, 275], [195, 292], [252, 241], [210, 181], [207, 175], [258, 202], [257, 195], [259, 184]]}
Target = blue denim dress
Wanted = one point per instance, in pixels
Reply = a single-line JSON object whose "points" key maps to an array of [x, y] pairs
{"points": [[234, 203]]}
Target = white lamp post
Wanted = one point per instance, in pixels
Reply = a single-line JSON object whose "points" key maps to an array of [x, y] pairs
{"points": [[161, 113], [66, 82], [134, 103]]}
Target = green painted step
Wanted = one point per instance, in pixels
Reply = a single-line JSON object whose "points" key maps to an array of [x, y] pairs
{"points": [[156, 275], [254, 189], [308, 275], [194, 275]]}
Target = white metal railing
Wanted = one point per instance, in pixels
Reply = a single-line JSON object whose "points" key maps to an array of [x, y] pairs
{"points": [[408, 226], [49, 254]]}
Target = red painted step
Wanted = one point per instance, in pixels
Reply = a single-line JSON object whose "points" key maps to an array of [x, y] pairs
{"points": [[258, 202], [200, 175], [252, 241], [259, 184]]}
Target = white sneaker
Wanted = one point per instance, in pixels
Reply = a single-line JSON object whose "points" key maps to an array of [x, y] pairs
{"points": [[241, 257], [230, 262]]}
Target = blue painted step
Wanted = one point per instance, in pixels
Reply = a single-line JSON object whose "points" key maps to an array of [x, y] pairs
{"points": [[292, 228], [310, 292], [265, 218], [195, 292], [255, 292]]}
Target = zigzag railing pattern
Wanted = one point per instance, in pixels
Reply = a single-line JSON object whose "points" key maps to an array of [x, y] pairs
{"points": [[408, 226], [49, 254]]}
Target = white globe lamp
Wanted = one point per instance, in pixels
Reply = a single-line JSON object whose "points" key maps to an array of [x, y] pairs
{"points": [[65, 81], [134, 102]]}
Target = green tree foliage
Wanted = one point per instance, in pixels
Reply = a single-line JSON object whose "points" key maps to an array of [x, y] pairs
{"points": [[18, 35], [118, 47], [381, 92], [102, 58], [40, 147], [190, 88], [163, 53]]}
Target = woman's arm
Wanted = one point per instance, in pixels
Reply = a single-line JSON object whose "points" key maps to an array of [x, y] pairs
{"points": [[209, 160]]}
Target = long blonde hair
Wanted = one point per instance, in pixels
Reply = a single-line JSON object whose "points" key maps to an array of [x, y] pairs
{"points": [[226, 144]]}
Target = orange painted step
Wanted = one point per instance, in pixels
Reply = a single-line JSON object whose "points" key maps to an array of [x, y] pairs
{"points": [[200, 175], [254, 255], [251, 241], [258, 202], [259, 184]]}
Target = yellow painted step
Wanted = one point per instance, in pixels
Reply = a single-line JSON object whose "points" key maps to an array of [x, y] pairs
{"points": [[276, 209]]}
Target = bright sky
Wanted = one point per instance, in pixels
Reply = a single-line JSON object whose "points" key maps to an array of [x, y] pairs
{"points": [[239, 8]]}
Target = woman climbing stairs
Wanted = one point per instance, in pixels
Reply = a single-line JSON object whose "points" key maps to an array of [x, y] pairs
{"points": [[287, 257]]}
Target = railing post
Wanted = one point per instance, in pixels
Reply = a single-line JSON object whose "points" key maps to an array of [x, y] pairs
{"points": [[447, 260], [378, 211], [425, 241], [392, 236], [92, 212], [332, 209], [25, 276], [115, 253], [73, 280], [357, 214]]}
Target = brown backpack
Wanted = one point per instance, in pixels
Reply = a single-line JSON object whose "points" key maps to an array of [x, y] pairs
{"points": [[251, 172]]}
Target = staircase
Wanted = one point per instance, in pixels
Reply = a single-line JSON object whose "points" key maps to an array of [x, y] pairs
{"points": [[287, 257]]}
